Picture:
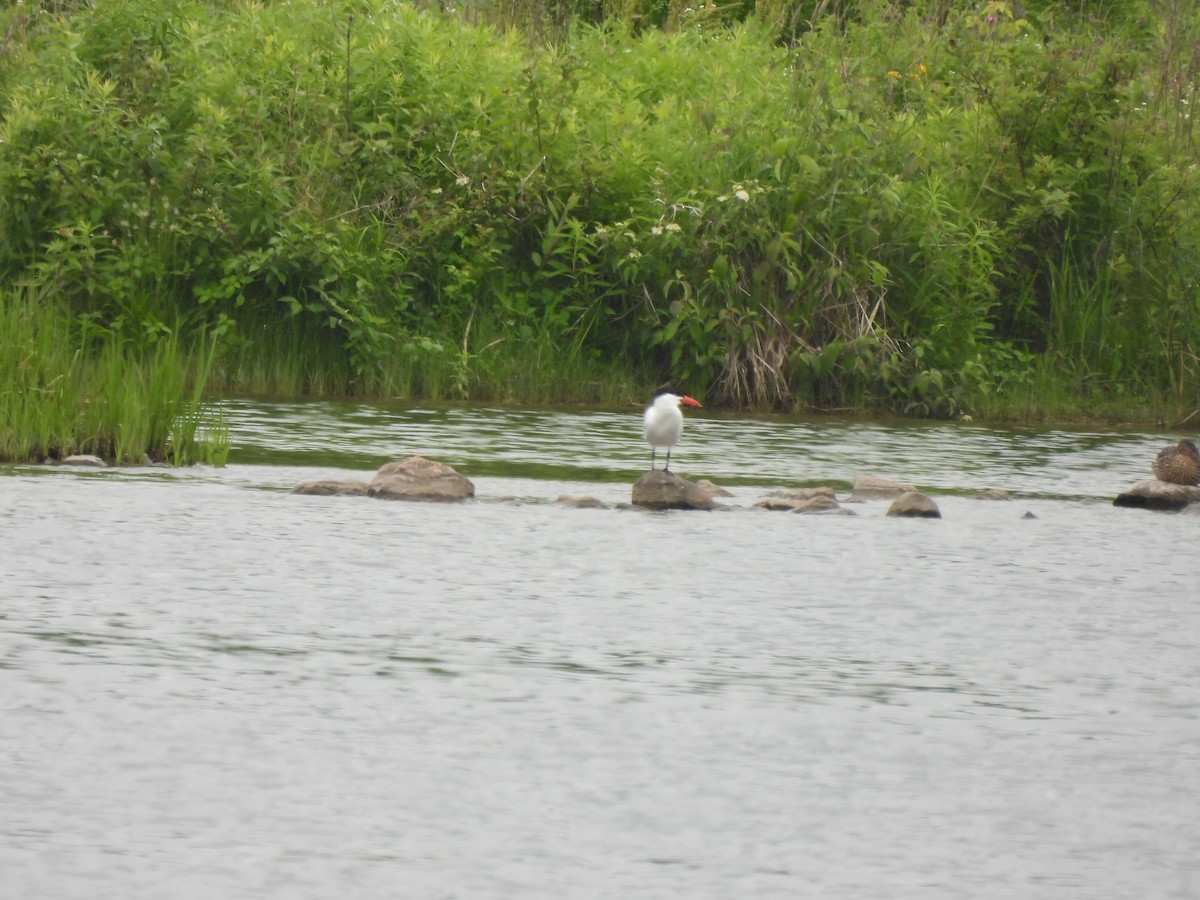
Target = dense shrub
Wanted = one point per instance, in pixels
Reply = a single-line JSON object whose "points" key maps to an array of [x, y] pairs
{"points": [[830, 204]]}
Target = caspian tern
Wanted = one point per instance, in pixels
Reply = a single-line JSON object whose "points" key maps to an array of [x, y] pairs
{"points": [[664, 423]]}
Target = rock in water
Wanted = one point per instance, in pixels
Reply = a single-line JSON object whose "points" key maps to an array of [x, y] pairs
{"points": [[818, 503], [868, 487], [814, 502], [418, 478], [801, 494], [84, 459], [585, 502], [992, 494], [914, 504], [713, 490], [332, 488], [1155, 494], [660, 489]]}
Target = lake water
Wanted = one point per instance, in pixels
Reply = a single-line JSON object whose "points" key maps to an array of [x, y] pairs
{"points": [[213, 688]]}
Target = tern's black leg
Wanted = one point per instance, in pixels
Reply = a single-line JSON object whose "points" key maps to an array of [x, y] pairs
{"points": [[653, 452], [667, 467]]}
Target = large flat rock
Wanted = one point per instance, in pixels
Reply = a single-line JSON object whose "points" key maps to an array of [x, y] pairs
{"points": [[1155, 494]]}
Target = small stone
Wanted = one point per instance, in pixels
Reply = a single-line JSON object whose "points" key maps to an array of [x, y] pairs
{"points": [[332, 488], [584, 502], [992, 494], [84, 459], [817, 504], [804, 493], [868, 487], [776, 504]]}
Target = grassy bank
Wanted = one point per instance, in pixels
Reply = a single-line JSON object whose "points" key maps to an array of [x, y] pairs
{"points": [[65, 391], [874, 206]]}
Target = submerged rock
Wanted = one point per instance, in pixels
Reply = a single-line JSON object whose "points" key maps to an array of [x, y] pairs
{"points": [[660, 489], [584, 502], [1155, 494], [816, 501], [418, 478], [914, 504], [992, 494], [817, 504], [802, 494], [84, 459], [868, 487], [332, 488], [778, 504], [713, 490]]}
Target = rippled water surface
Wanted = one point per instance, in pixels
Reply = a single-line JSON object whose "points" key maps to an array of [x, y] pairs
{"points": [[213, 688]]}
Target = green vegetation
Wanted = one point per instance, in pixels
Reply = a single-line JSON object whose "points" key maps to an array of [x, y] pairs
{"points": [[64, 390], [869, 205]]}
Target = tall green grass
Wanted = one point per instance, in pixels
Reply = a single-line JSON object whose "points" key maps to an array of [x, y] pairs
{"points": [[65, 389], [485, 361]]}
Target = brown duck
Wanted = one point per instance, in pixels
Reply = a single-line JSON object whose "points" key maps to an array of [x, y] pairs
{"points": [[1179, 464]]}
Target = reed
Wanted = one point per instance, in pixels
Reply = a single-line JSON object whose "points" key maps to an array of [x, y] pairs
{"points": [[66, 389], [547, 370], [287, 358]]}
